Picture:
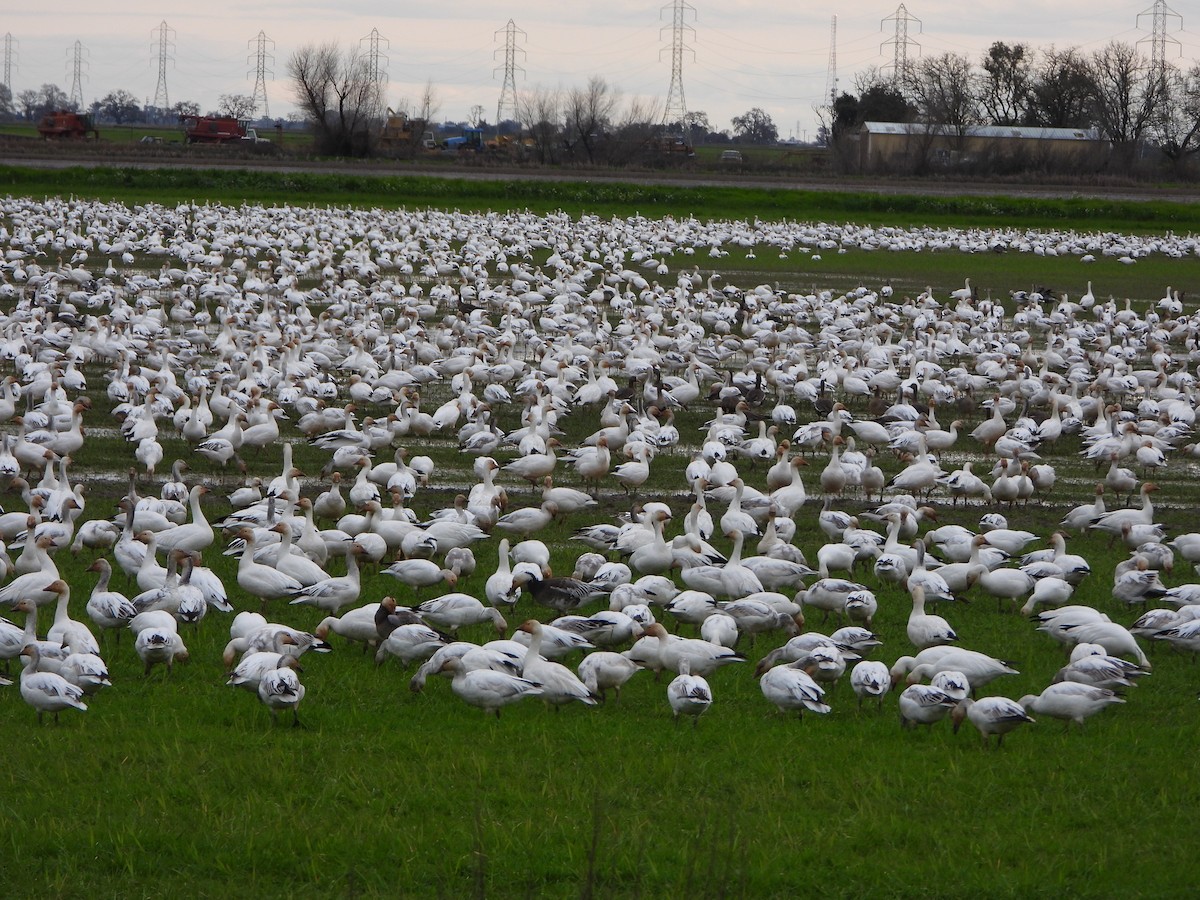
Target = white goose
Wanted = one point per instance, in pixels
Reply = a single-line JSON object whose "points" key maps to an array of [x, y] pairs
{"points": [[1070, 702], [688, 694], [47, 691], [487, 689], [559, 684], [991, 715], [925, 630]]}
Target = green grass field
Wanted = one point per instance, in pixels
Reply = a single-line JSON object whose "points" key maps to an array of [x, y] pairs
{"points": [[176, 785]]}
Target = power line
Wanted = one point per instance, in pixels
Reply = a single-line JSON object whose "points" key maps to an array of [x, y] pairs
{"points": [[261, 55], [900, 64], [1159, 13], [164, 43], [377, 72], [77, 75], [676, 108], [508, 90], [831, 78], [9, 54]]}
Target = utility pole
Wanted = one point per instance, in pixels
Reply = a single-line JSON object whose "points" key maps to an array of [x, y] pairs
{"points": [[831, 78], [376, 71], [77, 76], [900, 65], [1159, 13], [261, 55], [507, 103], [164, 43], [9, 53], [676, 109]]}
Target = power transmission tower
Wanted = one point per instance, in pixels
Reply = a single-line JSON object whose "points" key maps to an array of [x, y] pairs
{"points": [[9, 53], [508, 90], [377, 72], [900, 65], [676, 108], [261, 55], [164, 43], [1159, 13], [77, 75], [831, 78]]}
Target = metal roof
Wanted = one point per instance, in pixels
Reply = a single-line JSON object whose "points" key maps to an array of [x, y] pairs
{"points": [[987, 131]]}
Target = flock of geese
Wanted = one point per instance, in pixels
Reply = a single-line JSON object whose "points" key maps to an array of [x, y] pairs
{"points": [[237, 330]]}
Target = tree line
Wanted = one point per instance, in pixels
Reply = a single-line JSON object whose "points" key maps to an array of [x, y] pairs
{"points": [[1132, 103], [118, 107], [593, 123]]}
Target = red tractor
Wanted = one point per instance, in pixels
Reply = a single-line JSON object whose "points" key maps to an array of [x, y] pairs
{"points": [[213, 129], [64, 125]]}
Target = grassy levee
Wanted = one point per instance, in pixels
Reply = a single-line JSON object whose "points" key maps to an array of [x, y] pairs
{"points": [[177, 785]]}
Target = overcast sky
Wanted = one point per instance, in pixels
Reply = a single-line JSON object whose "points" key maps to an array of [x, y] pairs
{"points": [[745, 53]]}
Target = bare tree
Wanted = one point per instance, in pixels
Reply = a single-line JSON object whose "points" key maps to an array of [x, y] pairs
{"points": [[1127, 90], [1004, 85], [341, 99], [540, 113], [942, 88], [1060, 95], [430, 104], [1177, 122], [634, 130], [588, 114], [236, 106]]}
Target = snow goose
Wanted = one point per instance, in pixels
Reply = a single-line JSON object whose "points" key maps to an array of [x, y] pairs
{"points": [[1082, 516], [688, 694], [735, 519], [65, 630], [790, 687], [925, 630], [605, 670], [47, 691], [991, 715], [1111, 522], [789, 497], [293, 563], [732, 580], [1003, 584], [559, 684], [487, 689], [870, 679], [280, 688], [1092, 664], [921, 704], [355, 625], [332, 593], [86, 671], [32, 585], [1114, 638], [159, 644], [419, 573], [978, 668], [409, 642], [703, 658], [1070, 702], [108, 609], [655, 556], [452, 611], [528, 520], [258, 580], [255, 663]]}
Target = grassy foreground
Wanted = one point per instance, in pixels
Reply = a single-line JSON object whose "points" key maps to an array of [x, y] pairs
{"points": [[180, 786]]}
